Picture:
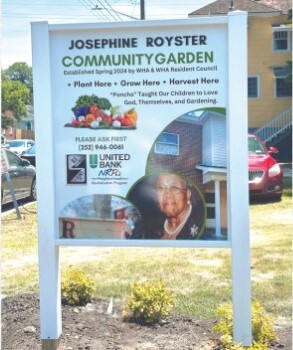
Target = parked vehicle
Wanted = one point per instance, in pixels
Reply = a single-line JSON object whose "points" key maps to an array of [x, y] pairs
{"points": [[23, 179], [30, 155], [4, 143], [265, 174], [19, 146]]}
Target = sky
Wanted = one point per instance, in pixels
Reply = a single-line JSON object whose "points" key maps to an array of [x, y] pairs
{"points": [[17, 16]]}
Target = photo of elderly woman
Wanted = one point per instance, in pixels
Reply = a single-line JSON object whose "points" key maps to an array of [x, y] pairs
{"points": [[174, 200], [172, 208]]}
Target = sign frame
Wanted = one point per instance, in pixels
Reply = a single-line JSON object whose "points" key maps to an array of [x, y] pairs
{"points": [[238, 204]]}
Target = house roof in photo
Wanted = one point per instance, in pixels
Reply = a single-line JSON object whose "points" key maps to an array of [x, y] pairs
{"points": [[282, 5], [221, 7]]}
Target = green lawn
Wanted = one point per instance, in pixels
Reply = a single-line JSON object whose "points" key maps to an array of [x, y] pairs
{"points": [[199, 278]]}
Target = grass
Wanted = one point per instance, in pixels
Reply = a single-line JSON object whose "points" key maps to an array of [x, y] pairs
{"points": [[200, 279]]}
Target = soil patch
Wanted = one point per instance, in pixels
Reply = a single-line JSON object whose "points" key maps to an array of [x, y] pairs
{"points": [[92, 328]]}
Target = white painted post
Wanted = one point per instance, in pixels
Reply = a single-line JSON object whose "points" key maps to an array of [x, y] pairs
{"points": [[49, 280], [238, 177]]}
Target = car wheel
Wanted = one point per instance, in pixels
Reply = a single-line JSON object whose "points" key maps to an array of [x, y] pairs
{"points": [[33, 195]]}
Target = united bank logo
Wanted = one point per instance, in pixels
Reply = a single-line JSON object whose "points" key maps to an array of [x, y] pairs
{"points": [[76, 169], [93, 160], [108, 164]]}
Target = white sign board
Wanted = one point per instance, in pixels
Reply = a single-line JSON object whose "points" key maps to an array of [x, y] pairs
{"points": [[133, 111], [136, 124]]}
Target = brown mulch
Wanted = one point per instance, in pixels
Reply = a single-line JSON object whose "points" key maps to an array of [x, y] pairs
{"points": [[92, 328]]}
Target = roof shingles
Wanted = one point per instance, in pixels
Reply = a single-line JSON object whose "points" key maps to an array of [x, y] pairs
{"points": [[220, 7]]}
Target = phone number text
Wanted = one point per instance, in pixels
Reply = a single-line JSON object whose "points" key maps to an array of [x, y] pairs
{"points": [[91, 147]]}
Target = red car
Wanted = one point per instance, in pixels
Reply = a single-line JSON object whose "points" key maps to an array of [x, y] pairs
{"points": [[265, 174]]}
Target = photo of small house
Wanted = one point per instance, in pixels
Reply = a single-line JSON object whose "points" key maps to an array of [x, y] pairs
{"points": [[194, 145], [98, 217]]}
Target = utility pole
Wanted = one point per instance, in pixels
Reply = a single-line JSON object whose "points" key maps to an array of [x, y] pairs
{"points": [[142, 10]]}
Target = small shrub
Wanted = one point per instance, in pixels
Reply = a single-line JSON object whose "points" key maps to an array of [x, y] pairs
{"points": [[147, 303], [262, 328], [76, 288]]}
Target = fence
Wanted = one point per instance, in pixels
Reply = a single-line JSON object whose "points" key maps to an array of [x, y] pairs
{"points": [[13, 134]]}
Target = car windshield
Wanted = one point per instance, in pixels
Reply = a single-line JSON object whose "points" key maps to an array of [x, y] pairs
{"points": [[16, 143], [31, 150], [255, 147]]}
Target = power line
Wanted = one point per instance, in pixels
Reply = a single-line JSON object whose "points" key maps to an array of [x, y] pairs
{"points": [[112, 8], [47, 5], [120, 5], [108, 16], [36, 15], [106, 6], [109, 12], [89, 6], [70, 16]]}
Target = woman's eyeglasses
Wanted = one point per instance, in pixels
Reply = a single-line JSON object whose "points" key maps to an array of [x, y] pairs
{"points": [[173, 190]]}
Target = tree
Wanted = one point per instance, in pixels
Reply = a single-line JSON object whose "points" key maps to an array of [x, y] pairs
{"points": [[20, 71], [15, 97]]}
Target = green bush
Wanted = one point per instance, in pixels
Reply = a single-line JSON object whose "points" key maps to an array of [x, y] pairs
{"points": [[262, 328], [76, 288], [147, 303]]}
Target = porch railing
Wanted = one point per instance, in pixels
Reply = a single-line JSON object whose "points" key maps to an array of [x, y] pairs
{"points": [[276, 126]]}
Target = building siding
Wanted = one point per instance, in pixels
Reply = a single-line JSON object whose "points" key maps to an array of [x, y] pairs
{"points": [[207, 158], [214, 142], [261, 59], [190, 153]]}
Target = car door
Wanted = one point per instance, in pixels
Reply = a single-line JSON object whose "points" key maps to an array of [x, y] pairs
{"points": [[19, 175]]}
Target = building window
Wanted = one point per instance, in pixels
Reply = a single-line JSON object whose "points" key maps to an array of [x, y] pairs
{"points": [[253, 87], [282, 39], [167, 143], [283, 82], [283, 88]]}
